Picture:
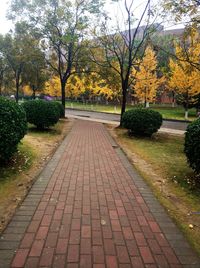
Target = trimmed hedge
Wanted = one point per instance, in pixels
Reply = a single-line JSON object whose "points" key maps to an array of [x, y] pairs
{"points": [[61, 108], [142, 122], [13, 127], [41, 113], [192, 145]]}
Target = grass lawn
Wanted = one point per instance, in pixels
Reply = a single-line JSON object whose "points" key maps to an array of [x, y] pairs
{"points": [[167, 112], [161, 161], [18, 175]]}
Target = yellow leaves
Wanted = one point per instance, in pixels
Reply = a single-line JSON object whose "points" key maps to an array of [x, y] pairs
{"points": [[146, 78], [77, 85], [27, 90], [185, 78], [53, 87]]}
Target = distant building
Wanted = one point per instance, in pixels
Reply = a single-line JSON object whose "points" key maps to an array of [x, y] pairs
{"points": [[157, 28]]}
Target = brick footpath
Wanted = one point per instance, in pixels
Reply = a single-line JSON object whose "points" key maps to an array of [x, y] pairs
{"points": [[90, 208]]}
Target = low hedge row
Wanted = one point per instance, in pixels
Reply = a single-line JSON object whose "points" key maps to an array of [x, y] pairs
{"points": [[41, 113]]}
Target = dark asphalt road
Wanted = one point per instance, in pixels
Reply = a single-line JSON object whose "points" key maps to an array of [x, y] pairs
{"points": [[115, 117]]}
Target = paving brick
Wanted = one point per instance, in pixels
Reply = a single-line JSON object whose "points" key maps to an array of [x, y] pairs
{"points": [[98, 254], [36, 248], [140, 239], [27, 240], [59, 261], [111, 262], [8, 245], [132, 248], [86, 232], [137, 262], [109, 247], [32, 262], [51, 240], [122, 254], [47, 257], [62, 246], [34, 224], [127, 232], [90, 208], [85, 261], [73, 253], [11, 237], [20, 258], [42, 232], [146, 255]]}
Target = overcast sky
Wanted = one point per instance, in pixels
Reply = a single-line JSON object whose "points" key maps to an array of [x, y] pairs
{"points": [[6, 25]]}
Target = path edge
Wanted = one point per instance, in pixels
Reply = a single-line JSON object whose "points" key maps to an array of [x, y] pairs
{"points": [[187, 256]]}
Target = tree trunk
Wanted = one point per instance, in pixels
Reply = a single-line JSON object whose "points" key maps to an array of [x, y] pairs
{"points": [[173, 99], [186, 107], [17, 91], [123, 107], [186, 114], [145, 99], [147, 104], [33, 89], [63, 84]]}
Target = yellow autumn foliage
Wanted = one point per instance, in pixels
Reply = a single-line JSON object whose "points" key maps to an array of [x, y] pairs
{"points": [[53, 87], [146, 79], [78, 85], [185, 77], [27, 90]]}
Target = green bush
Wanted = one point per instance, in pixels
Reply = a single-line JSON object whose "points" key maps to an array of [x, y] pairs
{"points": [[41, 113], [142, 122], [13, 127], [192, 145], [60, 108]]}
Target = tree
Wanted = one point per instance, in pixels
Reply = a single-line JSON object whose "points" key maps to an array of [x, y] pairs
{"points": [[120, 48], [62, 26], [17, 50], [146, 79], [185, 79], [15, 58], [3, 69], [35, 73], [183, 8]]}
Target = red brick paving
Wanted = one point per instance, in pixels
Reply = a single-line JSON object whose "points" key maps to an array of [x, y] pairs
{"points": [[92, 213]]}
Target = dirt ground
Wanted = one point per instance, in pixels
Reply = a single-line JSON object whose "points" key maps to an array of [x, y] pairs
{"points": [[17, 188]]}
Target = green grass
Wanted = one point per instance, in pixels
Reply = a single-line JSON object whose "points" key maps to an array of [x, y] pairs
{"points": [[165, 153], [166, 111], [173, 183]]}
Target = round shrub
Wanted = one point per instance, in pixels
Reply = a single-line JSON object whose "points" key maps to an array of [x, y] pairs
{"points": [[192, 145], [41, 113], [60, 108], [142, 122], [13, 127]]}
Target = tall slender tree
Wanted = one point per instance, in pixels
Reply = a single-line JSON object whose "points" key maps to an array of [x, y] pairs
{"points": [[121, 46], [185, 78], [146, 78]]}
